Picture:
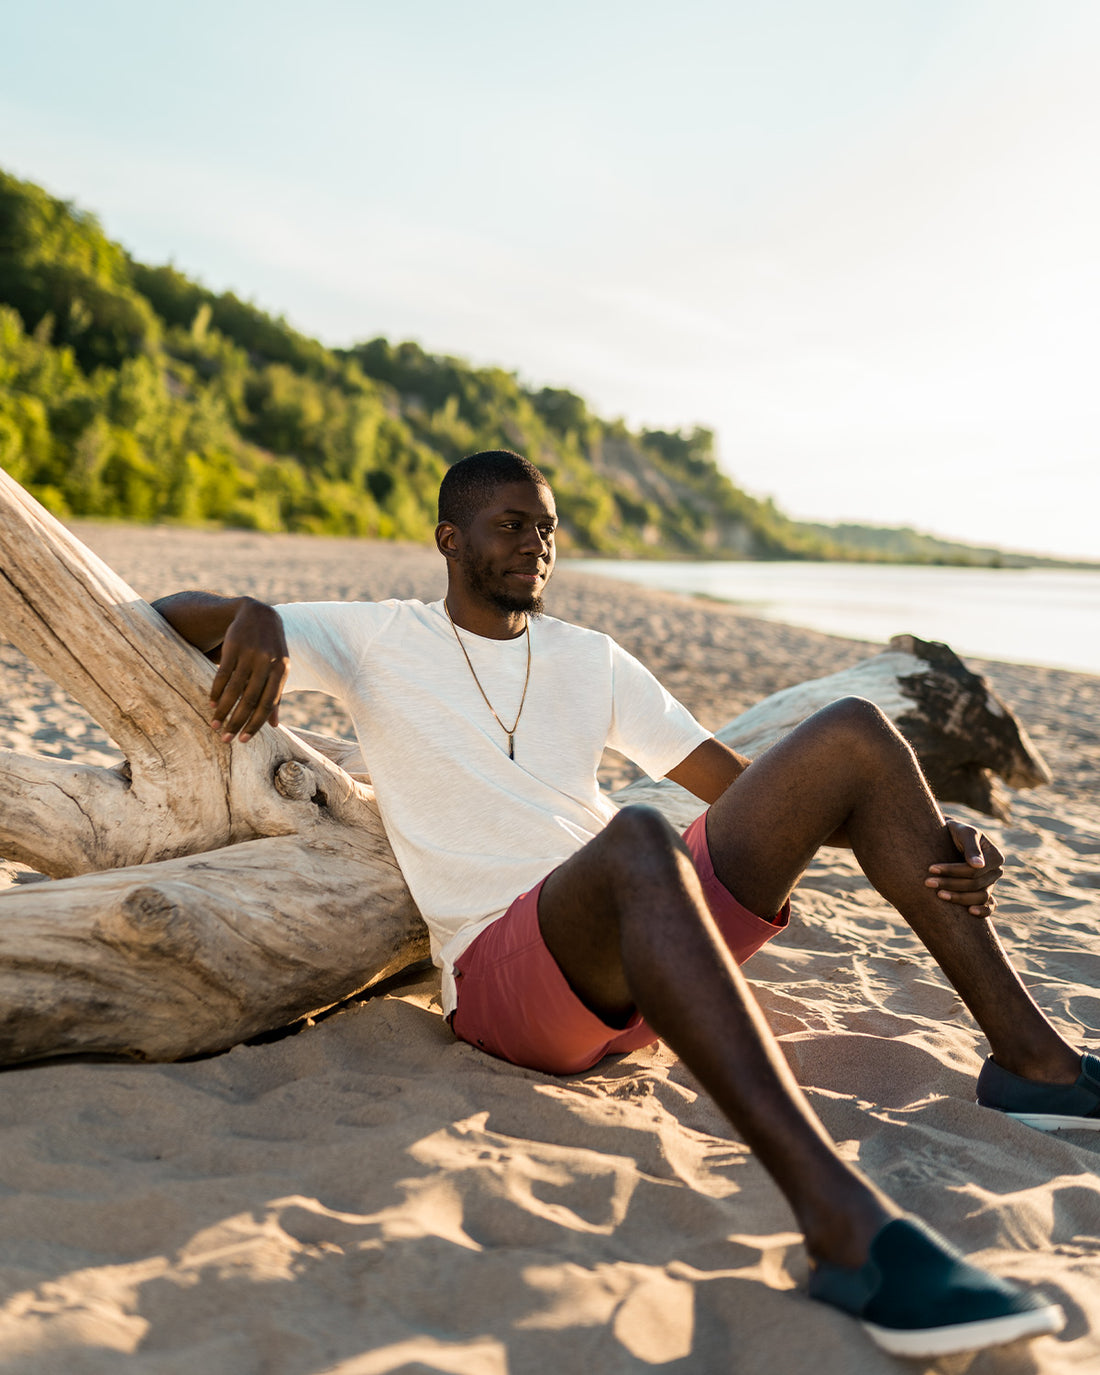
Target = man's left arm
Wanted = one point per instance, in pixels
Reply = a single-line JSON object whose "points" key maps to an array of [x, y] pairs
{"points": [[709, 770], [711, 767]]}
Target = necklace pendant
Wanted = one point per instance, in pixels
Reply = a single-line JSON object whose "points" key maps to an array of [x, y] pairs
{"points": [[511, 734]]}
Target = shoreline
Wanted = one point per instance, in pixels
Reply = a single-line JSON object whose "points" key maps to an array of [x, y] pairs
{"points": [[1044, 618], [370, 1195]]}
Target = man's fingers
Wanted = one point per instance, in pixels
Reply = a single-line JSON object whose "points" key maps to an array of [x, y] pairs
{"points": [[247, 699], [969, 897], [249, 712], [245, 719], [971, 844], [970, 847], [968, 882], [991, 867], [252, 673], [218, 686], [227, 694], [265, 708], [977, 904]]}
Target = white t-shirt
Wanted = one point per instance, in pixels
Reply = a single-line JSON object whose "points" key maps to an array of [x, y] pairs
{"points": [[471, 828]]}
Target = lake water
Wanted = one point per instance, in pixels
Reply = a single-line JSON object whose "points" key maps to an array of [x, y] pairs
{"points": [[1034, 615]]}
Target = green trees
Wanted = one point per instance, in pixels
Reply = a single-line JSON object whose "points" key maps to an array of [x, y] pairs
{"points": [[68, 280], [131, 392]]}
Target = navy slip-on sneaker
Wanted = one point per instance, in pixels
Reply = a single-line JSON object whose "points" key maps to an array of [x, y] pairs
{"points": [[1049, 1107], [917, 1296]]}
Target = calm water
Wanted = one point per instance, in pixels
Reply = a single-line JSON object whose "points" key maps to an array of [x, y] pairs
{"points": [[1038, 616]]}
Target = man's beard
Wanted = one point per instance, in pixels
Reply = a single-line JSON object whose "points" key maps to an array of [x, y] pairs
{"points": [[480, 579]]}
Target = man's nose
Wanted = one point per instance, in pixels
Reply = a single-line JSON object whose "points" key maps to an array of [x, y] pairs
{"points": [[535, 542]]}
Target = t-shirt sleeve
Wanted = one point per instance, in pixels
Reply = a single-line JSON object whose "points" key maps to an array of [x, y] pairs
{"points": [[648, 724], [328, 641]]}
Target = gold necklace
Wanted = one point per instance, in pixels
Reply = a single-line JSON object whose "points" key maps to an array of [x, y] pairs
{"points": [[511, 734]]}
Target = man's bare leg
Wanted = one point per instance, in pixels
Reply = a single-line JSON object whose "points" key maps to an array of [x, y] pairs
{"points": [[626, 920], [847, 768]]}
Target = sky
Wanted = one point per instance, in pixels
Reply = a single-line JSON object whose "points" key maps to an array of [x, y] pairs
{"points": [[858, 239]]}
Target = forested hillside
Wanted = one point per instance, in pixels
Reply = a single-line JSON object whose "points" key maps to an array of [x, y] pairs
{"points": [[132, 392]]}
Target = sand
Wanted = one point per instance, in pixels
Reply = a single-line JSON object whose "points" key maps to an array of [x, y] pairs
{"points": [[367, 1195]]}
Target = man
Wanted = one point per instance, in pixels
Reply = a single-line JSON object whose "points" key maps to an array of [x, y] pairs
{"points": [[567, 931]]}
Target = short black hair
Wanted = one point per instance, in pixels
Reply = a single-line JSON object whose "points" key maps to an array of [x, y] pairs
{"points": [[468, 484]]}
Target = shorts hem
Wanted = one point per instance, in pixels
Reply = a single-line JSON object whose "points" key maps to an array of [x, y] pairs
{"points": [[514, 1002]]}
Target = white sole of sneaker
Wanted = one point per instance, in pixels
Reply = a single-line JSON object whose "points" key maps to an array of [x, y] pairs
{"points": [[967, 1336], [1056, 1122]]}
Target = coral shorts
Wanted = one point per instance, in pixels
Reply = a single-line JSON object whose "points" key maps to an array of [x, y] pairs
{"points": [[515, 1003]]}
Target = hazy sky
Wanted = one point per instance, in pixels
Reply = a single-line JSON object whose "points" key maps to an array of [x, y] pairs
{"points": [[860, 239]]}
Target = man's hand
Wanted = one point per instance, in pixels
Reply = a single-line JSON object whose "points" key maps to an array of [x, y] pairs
{"points": [[969, 884], [252, 672]]}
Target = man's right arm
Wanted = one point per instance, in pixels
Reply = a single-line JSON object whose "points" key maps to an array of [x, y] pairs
{"points": [[245, 637]]}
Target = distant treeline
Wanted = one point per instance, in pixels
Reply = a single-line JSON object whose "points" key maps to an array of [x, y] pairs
{"points": [[133, 393], [903, 544]]}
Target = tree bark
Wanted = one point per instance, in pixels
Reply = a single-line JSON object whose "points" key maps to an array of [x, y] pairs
{"points": [[193, 955], [226, 891], [182, 790]]}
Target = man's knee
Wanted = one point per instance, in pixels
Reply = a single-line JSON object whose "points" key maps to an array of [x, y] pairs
{"points": [[644, 843], [854, 725]]}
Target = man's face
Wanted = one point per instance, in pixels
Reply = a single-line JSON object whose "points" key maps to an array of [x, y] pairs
{"points": [[507, 554]]}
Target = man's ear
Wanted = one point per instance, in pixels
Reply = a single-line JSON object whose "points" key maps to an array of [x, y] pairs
{"points": [[447, 539]]}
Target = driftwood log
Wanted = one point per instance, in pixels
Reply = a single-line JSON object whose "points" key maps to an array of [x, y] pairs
{"points": [[208, 892]]}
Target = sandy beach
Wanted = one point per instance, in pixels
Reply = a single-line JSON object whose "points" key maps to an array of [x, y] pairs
{"points": [[368, 1196]]}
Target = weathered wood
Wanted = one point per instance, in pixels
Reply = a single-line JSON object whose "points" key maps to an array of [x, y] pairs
{"points": [[345, 753], [182, 954], [245, 887], [182, 790], [193, 955], [61, 817]]}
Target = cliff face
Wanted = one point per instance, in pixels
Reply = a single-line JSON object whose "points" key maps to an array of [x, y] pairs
{"points": [[681, 498]]}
